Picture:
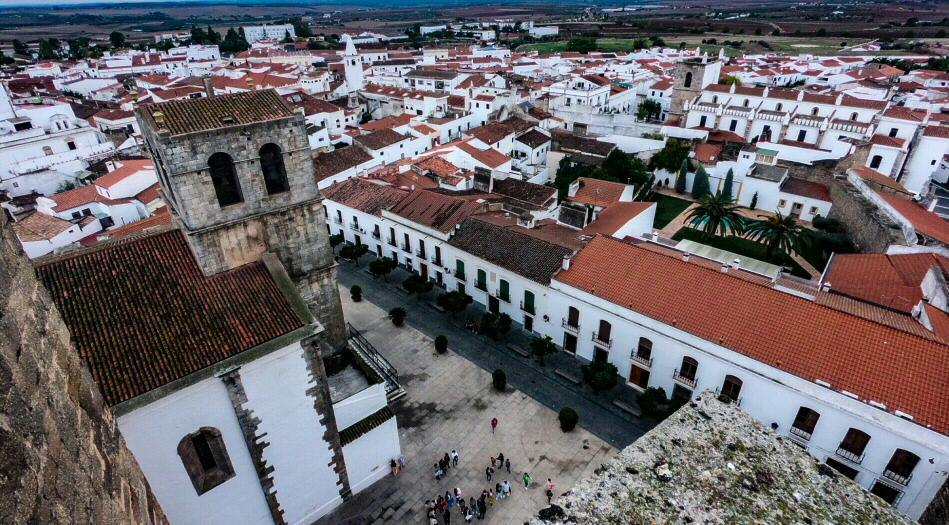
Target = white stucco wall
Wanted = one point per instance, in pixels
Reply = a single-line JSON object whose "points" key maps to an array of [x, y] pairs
{"points": [[367, 458]]}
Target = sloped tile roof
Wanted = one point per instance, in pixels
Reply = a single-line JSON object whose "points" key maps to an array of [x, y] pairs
{"points": [[923, 220], [806, 188], [598, 192], [127, 169], [80, 197], [204, 114], [436, 210], [891, 281], [523, 254], [781, 330], [380, 139], [142, 314], [364, 195], [339, 160], [39, 227]]}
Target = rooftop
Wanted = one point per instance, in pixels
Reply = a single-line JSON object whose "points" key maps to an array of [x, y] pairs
{"points": [[194, 115], [710, 462]]}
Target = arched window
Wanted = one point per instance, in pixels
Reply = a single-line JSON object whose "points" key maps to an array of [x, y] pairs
{"points": [[853, 116], [746, 103], [644, 349], [224, 178], [731, 388], [688, 369], [573, 318], [603, 334], [853, 445], [205, 459], [271, 165], [804, 423], [876, 161], [901, 465], [688, 80]]}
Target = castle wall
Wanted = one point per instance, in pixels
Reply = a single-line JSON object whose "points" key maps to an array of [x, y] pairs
{"points": [[63, 458]]}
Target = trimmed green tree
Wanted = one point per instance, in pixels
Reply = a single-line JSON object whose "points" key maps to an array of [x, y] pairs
{"points": [[777, 232], [383, 267], [700, 184], [353, 252], [682, 177], [600, 375], [499, 380], [568, 418], [542, 346], [716, 215], [495, 325], [454, 301], [441, 344], [355, 292], [397, 315], [336, 240], [729, 182]]}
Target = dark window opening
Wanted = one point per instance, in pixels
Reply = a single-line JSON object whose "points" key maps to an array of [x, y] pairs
{"points": [[224, 177], [804, 423], [205, 459], [731, 388], [271, 164], [876, 161]]}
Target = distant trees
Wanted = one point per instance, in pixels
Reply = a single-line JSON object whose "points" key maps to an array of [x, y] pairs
{"points": [[382, 266], [234, 41], [670, 157], [208, 36], [618, 167], [581, 44], [49, 48], [117, 39], [649, 109]]}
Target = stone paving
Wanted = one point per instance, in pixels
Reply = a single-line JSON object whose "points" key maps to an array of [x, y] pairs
{"points": [[449, 405]]}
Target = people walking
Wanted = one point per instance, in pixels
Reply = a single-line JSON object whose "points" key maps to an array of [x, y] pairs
{"points": [[438, 471], [447, 461], [507, 465], [488, 471], [492, 499], [454, 458], [482, 507], [527, 480], [499, 491], [401, 461], [500, 459], [450, 499], [446, 516], [494, 424]]}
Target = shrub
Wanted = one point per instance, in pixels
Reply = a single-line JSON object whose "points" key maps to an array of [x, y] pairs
{"points": [[495, 325], [454, 301], [441, 344], [568, 419], [600, 375], [412, 283], [356, 293], [499, 379], [383, 267], [353, 252], [656, 405], [754, 201], [397, 315], [541, 347]]}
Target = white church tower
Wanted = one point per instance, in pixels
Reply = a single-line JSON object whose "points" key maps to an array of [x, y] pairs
{"points": [[352, 65]]}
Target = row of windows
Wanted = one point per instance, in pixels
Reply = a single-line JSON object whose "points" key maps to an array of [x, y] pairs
{"points": [[898, 471], [227, 188]]}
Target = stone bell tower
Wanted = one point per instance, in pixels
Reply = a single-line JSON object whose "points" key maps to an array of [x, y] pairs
{"points": [[236, 172], [692, 75]]}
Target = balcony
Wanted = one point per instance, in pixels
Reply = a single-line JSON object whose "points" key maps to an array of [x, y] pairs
{"points": [[688, 382], [602, 343], [376, 235], [406, 248], [570, 327], [391, 242], [460, 276], [436, 260], [337, 220], [641, 361], [852, 457], [355, 227], [528, 308], [483, 286], [420, 254], [799, 434], [897, 478], [504, 296]]}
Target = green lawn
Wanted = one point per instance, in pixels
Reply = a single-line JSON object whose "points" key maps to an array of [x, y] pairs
{"points": [[744, 247], [668, 208]]}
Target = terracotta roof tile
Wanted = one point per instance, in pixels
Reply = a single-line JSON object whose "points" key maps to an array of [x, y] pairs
{"points": [[806, 188], [127, 169], [40, 227], [787, 332], [891, 281], [203, 114], [339, 160], [364, 195], [923, 220], [436, 210], [141, 313], [598, 192]]}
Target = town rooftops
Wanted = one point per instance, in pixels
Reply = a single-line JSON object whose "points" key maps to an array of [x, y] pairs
{"points": [[677, 473], [195, 115], [436, 210], [364, 195], [434, 74], [787, 332], [81, 196], [891, 281], [924, 221], [39, 227], [124, 170], [525, 194], [380, 139], [521, 253], [142, 314], [806, 188], [339, 160], [597, 192]]}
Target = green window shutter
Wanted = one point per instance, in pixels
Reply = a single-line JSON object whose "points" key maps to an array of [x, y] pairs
{"points": [[459, 267], [529, 300], [482, 278], [505, 288]]}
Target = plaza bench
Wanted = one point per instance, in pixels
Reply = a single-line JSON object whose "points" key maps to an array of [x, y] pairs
{"points": [[626, 407], [518, 349], [568, 376]]}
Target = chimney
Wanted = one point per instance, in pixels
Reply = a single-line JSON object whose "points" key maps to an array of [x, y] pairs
{"points": [[825, 287], [208, 87], [736, 262], [724, 267], [566, 262], [685, 256]]}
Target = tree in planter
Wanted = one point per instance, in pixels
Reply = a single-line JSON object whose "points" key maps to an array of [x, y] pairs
{"points": [[423, 288], [682, 176], [441, 344], [454, 301], [336, 240], [600, 376], [700, 184], [568, 419], [777, 232], [495, 325], [754, 201], [397, 315], [415, 284], [499, 379], [353, 252], [716, 215], [541, 347], [355, 292], [383, 267]]}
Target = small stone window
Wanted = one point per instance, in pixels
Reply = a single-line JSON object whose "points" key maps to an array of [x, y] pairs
{"points": [[688, 80], [271, 164], [205, 459]]}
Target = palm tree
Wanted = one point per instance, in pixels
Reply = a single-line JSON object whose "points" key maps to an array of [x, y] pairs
{"points": [[716, 215], [776, 232]]}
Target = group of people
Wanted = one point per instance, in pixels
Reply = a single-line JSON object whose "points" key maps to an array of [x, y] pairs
{"points": [[472, 508]]}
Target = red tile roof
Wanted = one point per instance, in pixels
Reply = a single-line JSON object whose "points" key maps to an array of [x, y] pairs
{"points": [[364, 195], [708, 153], [142, 314], [598, 192], [202, 114], [39, 227], [615, 217], [436, 210], [880, 179], [891, 281], [127, 169], [81, 196], [160, 219], [890, 142], [781, 330], [489, 157], [923, 220], [806, 188]]}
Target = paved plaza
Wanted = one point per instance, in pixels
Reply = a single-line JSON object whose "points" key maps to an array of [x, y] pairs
{"points": [[449, 405]]}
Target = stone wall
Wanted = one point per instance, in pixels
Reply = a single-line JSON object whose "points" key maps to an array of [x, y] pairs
{"points": [[62, 458]]}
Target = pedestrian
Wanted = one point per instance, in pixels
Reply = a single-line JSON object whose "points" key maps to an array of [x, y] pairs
{"points": [[450, 499], [492, 499], [454, 458], [482, 507], [507, 488], [494, 424], [550, 485], [458, 496], [487, 472], [432, 520], [401, 461], [438, 472], [447, 461], [494, 461], [469, 515], [527, 480], [472, 504], [395, 467], [550, 496], [447, 517], [439, 504], [507, 465], [462, 506], [500, 459], [499, 491]]}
